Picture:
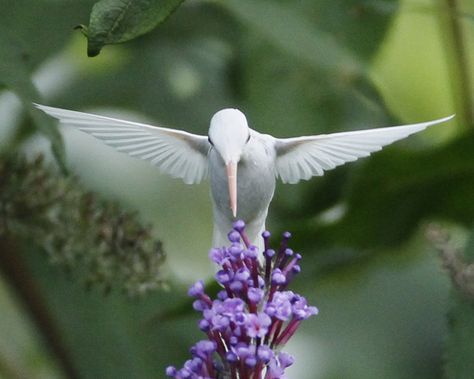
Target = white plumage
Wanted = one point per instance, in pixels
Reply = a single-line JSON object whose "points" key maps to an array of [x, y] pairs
{"points": [[177, 153], [242, 164]]}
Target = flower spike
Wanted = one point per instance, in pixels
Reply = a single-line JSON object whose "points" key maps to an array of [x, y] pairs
{"points": [[252, 318]]}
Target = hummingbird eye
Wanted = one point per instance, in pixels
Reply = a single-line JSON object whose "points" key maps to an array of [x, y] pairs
{"points": [[248, 139], [209, 139]]}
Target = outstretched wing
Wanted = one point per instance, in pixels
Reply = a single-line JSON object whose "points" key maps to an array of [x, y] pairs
{"points": [[303, 157], [177, 153]]}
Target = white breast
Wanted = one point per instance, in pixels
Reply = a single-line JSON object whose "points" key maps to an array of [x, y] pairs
{"points": [[255, 188]]}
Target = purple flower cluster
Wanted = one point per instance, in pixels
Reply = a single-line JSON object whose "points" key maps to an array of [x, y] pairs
{"points": [[253, 316]]}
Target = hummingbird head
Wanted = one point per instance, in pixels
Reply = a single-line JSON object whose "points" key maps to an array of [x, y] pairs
{"points": [[228, 133]]}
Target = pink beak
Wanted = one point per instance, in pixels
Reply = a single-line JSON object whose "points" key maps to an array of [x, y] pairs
{"points": [[232, 180]]}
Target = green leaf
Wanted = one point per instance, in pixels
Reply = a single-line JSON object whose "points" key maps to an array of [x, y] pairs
{"points": [[14, 66], [460, 342], [109, 336], [15, 75], [395, 190], [358, 25], [30, 32], [304, 99], [288, 97], [116, 21], [186, 52], [292, 32], [42, 26]]}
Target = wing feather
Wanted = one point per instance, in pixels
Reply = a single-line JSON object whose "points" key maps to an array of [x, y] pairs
{"points": [[301, 158], [177, 153]]}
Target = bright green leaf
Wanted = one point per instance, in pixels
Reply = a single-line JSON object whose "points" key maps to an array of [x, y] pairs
{"points": [[115, 21]]}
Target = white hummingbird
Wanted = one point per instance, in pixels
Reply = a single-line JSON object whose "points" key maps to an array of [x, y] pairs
{"points": [[242, 164]]}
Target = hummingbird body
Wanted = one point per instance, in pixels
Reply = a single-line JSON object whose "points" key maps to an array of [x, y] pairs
{"points": [[242, 164], [255, 188]]}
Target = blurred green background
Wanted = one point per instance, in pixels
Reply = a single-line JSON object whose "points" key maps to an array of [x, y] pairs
{"points": [[294, 68]]}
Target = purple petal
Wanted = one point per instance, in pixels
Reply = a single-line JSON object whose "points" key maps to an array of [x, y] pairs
{"points": [[197, 289]]}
